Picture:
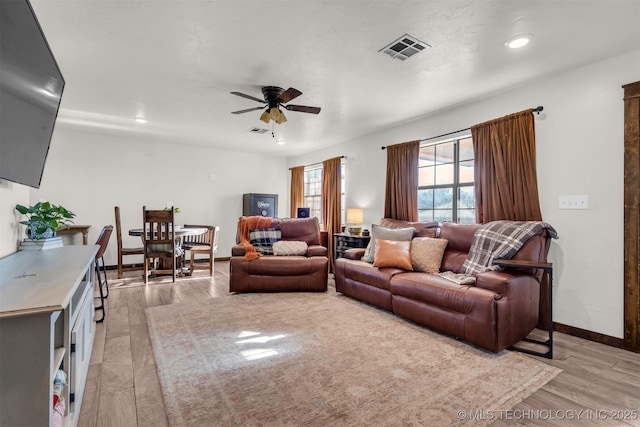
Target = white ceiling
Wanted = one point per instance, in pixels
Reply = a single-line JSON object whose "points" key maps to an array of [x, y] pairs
{"points": [[175, 62]]}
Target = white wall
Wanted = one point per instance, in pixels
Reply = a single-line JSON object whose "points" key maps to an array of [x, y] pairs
{"points": [[11, 194], [579, 151], [90, 173]]}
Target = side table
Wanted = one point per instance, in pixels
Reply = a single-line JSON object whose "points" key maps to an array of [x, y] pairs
{"points": [[547, 267], [345, 241], [72, 229]]}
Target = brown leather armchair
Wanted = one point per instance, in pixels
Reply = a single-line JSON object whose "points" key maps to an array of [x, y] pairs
{"points": [[273, 273]]}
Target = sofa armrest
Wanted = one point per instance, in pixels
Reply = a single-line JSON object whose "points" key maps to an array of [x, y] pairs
{"points": [[316, 250], [237, 250], [354, 253], [505, 283]]}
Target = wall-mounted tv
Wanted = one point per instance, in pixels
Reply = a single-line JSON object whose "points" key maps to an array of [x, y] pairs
{"points": [[30, 92]]}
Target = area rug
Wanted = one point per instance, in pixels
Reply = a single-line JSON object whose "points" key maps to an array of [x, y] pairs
{"points": [[303, 359]]}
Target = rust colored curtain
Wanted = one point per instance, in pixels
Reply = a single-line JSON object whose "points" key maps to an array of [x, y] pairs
{"points": [[401, 193], [331, 195], [297, 190], [506, 184]]}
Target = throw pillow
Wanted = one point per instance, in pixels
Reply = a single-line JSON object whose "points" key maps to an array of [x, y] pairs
{"points": [[384, 233], [427, 253], [289, 247], [263, 239], [393, 253]]}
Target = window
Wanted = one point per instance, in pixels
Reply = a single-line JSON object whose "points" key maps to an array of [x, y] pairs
{"points": [[445, 186], [313, 192]]}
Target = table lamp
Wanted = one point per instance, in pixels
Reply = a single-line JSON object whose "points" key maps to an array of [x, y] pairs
{"points": [[355, 216]]}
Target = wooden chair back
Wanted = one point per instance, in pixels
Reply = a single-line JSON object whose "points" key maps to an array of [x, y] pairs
{"points": [[122, 251], [206, 244], [159, 239], [201, 239]]}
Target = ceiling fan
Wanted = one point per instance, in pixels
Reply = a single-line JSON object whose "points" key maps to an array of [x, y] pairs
{"points": [[274, 98]]}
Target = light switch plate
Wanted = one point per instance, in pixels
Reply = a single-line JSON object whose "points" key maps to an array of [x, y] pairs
{"points": [[580, 201]]}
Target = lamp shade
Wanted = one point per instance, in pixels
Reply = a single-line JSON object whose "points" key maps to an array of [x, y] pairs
{"points": [[355, 216]]}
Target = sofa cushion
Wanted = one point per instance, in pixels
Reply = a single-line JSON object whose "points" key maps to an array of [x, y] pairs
{"points": [[299, 229], [263, 239], [427, 253], [393, 253], [430, 289], [423, 229], [289, 247], [384, 233], [363, 272]]}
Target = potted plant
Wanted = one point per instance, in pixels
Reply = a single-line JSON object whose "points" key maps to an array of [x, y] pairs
{"points": [[44, 219]]}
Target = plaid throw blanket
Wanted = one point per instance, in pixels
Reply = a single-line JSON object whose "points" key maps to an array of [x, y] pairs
{"points": [[500, 240]]}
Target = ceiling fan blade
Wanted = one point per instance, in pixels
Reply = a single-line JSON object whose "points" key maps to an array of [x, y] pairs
{"points": [[249, 97], [288, 95], [247, 110], [303, 109]]}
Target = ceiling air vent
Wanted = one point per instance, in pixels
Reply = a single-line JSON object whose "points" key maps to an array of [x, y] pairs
{"points": [[258, 130], [405, 47]]}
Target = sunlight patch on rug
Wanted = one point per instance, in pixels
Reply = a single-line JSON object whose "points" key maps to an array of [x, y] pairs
{"points": [[324, 359]]}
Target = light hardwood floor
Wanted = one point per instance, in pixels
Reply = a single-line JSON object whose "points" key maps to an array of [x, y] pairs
{"points": [[123, 389]]}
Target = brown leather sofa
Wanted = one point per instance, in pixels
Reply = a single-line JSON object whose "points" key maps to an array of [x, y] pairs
{"points": [[495, 313], [271, 273]]}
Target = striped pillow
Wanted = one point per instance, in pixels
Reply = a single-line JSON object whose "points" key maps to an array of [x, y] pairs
{"points": [[263, 239]]}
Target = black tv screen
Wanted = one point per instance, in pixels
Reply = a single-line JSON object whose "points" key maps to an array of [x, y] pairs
{"points": [[30, 92]]}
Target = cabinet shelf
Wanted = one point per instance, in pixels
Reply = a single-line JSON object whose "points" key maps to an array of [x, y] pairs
{"points": [[58, 356], [343, 242]]}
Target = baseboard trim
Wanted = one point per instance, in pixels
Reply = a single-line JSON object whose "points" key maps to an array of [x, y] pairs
{"points": [[140, 266], [589, 335]]}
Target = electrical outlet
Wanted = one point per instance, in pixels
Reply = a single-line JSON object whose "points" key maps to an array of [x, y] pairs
{"points": [[574, 202], [169, 205]]}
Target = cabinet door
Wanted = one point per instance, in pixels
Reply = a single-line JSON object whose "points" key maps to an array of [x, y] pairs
{"points": [[82, 335]]}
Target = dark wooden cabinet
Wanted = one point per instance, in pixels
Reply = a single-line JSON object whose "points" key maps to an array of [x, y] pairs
{"points": [[345, 241]]}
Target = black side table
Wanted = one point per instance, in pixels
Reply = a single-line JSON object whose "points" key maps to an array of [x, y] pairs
{"points": [[548, 269], [345, 241]]}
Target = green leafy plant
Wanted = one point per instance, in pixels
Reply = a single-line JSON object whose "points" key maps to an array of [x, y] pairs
{"points": [[44, 219], [175, 210]]}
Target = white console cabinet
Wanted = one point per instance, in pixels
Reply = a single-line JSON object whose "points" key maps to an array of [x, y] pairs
{"points": [[46, 324]]}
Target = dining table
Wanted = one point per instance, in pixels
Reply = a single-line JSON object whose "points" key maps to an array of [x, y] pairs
{"points": [[180, 232]]}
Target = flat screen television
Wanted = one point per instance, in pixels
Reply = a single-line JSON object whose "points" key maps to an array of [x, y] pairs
{"points": [[31, 86]]}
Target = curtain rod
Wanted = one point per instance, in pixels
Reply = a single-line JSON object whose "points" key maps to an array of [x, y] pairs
{"points": [[535, 110], [316, 163]]}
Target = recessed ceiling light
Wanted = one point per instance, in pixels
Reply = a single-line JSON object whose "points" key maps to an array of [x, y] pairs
{"points": [[518, 41], [280, 141], [140, 120]]}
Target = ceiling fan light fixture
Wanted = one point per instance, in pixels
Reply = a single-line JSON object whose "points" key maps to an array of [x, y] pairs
{"points": [[265, 117], [281, 118]]}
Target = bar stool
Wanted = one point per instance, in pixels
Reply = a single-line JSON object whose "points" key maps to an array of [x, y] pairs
{"points": [[103, 241]]}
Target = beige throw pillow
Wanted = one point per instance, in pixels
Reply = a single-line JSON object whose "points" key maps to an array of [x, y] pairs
{"points": [[427, 253], [384, 233], [289, 247]]}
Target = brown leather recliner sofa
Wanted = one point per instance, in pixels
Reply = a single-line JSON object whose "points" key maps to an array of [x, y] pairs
{"points": [[271, 273], [495, 313]]}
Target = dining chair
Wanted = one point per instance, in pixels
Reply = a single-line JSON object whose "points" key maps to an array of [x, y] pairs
{"points": [[159, 240], [122, 252], [206, 244], [101, 272]]}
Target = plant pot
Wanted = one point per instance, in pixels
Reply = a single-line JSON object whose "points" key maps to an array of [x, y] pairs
{"points": [[33, 234]]}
